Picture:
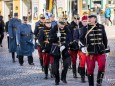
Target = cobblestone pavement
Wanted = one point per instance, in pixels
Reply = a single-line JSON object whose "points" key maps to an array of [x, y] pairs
{"points": [[12, 74]]}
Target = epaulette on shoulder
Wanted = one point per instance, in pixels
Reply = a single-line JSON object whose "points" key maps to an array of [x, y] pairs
{"points": [[101, 26]]}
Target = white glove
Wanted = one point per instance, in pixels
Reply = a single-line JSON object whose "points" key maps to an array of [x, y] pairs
{"points": [[62, 48], [84, 49], [58, 34], [7, 35], [18, 44], [37, 41], [107, 54], [80, 44], [43, 51]]}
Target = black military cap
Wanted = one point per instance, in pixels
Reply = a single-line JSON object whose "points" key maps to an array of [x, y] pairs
{"points": [[42, 16], [1, 17], [9, 16], [61, 21], [15, 14], [90, 16], [47, 21], [76, 17], [25, 18]]}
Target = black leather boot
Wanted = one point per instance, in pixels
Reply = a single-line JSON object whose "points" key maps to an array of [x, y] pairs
{"points": [[74, 71], [63, 75], [21, 61], [91, 80], [46, 72], [83, 75], [41, 63], [30, 60], [100, 76], [79, 69], [57, 80], [86, 72], [13, 57]]}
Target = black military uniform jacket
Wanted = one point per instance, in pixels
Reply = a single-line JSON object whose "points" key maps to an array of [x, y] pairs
{"points": [[96, 39], [65, 39], [39, 25], [74, 28], [44, 39], [65, 36], [1, 26]]}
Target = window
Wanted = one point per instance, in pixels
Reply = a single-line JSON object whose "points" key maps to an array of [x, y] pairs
{"points": [[84, 4]]}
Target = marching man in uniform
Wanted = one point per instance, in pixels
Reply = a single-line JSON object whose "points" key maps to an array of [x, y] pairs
{"points": [[25, 46], [45, 46], [82, 56], [75, 24], [94, 39], [12, 28], [39, 25], [60, 39]]}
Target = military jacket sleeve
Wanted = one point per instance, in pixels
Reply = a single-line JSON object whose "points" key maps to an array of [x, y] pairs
{"points": [[10, 32], [105, 41], [41, 38], [53, 36], [38, 26], [83, 32], [36, 31], [18, 35], [6, 26], [76, 35], [69, 36]]}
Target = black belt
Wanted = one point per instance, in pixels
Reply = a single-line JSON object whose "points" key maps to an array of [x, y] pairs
{"points": [[25, 34]]}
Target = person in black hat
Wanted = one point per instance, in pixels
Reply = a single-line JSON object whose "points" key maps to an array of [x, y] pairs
{"points": [[46, 47], [25, 45], [6, 28], [75, 25], [60, 39], [94, 43], [53, 21], [1, 30], [39, 25], [12, 28]]}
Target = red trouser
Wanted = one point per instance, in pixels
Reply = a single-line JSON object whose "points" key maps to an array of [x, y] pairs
{"points": [[82, 58], [47, 59], [39, 52], [101, 60], [73, 55]]}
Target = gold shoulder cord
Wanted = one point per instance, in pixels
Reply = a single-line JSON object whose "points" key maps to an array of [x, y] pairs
{"points": [[86, 41]]}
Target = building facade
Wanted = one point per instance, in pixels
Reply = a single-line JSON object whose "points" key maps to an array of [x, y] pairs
{"points": [[30, 8], [33, 8]]}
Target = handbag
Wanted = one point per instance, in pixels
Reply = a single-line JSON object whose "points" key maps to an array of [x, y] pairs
{"points": [[47, 48], [74, 46], [55, 50]]}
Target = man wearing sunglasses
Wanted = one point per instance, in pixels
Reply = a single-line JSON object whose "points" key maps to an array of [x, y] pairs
{"points": [[75, 24], [39, 25], [82, 56]]}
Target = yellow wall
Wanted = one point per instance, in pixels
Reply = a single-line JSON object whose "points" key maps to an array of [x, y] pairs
{"points": [[80, 7], [1, 6], [17, 7]]}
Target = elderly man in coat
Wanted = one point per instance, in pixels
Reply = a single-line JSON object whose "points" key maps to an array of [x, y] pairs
{"points": [[25, 45], [12, 28]]}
